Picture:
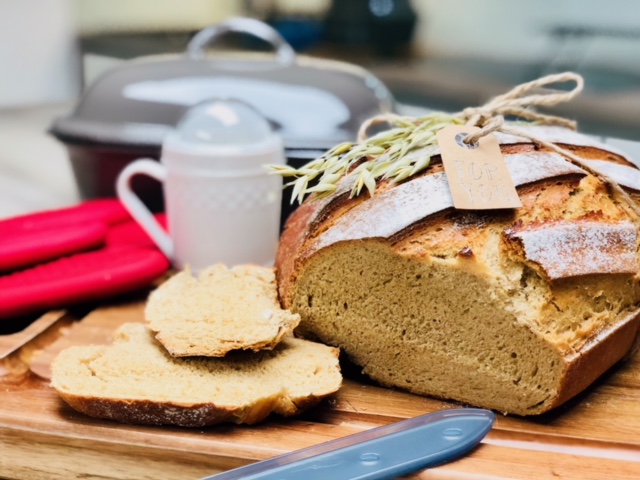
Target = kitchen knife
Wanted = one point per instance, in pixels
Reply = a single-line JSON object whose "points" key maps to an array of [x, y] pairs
{"points": [[380, 453]]}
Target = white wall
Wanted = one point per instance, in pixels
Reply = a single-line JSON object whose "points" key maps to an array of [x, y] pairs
{"points": [[39, 61], [38, 56]]}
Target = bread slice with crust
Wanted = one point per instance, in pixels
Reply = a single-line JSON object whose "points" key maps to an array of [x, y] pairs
{"points": [[135, 380], [221, 310]]}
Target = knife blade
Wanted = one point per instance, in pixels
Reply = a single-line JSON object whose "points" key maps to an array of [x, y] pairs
{"points": [[379, 453]]}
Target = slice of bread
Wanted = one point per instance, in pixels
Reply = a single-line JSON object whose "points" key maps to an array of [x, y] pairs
{"points": [[135, 380], [220, 311]]}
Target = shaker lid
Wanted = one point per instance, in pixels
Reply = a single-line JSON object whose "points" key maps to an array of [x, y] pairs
{"points": [[311, 103], [223, 129], [223, 123]]}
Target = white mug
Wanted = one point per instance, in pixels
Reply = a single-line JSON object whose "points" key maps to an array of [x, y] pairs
{"points": [[222, 204]]}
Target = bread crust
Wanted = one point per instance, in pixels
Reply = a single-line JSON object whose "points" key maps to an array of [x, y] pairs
{"points": [[600, 354], [291, 244], [599, 342], [154, 413]]}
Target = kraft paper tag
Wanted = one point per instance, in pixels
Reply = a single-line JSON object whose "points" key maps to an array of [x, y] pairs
{"points": [[477, 174]]}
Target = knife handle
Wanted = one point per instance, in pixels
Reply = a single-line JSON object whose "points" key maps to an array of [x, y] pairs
{"points": [[380, 453]]}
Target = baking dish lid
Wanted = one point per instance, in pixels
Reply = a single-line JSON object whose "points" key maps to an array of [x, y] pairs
{"points": [[313, 104]]}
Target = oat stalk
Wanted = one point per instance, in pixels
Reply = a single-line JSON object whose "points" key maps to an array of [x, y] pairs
{"points": [[382, 156]]}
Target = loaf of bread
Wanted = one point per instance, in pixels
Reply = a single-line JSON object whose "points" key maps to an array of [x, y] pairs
{"points": [[219, 311], [135, 380], [514, 310]]}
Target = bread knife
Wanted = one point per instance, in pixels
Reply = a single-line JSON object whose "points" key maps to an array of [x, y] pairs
{"points": [[380, 453]]}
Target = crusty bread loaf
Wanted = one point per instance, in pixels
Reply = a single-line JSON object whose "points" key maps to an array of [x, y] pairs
{"points": [[514, 310], [221, 310], [135, 380]]}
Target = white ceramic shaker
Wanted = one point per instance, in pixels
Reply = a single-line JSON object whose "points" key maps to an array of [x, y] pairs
{"points": [[222, 204]]}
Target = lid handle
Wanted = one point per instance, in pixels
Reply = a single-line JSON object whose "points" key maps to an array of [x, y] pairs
{"points": [[285, 53]]}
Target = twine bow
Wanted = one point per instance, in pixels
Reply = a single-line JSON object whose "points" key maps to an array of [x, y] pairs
{"points": [[517, 103]]}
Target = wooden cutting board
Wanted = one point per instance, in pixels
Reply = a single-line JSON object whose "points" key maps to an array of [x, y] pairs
{"points": [[595, 436]]}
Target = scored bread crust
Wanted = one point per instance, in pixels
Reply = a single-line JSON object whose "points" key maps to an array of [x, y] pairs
{"points": [[539, 290], [135, 380]]}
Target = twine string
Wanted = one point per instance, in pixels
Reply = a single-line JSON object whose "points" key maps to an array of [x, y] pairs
{"points": [[518, 102], [491, 125], [581, 163]]}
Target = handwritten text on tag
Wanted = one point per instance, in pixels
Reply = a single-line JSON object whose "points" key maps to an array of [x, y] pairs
{"points": [[477, 174]]}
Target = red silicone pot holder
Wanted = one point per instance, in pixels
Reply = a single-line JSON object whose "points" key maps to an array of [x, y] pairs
{"points": [[78, 278], [30, 239]]}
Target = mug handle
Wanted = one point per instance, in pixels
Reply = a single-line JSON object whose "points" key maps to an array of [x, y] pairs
{"points": [[136, 208]]}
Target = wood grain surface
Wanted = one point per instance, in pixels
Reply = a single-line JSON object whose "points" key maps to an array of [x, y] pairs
{"points": [[595, 436]]}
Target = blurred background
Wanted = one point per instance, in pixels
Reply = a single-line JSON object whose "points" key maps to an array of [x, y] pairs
{"points": [[431, 54]]}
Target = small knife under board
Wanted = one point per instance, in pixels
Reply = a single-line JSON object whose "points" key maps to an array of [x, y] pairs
{"points": [[380, 453]]}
